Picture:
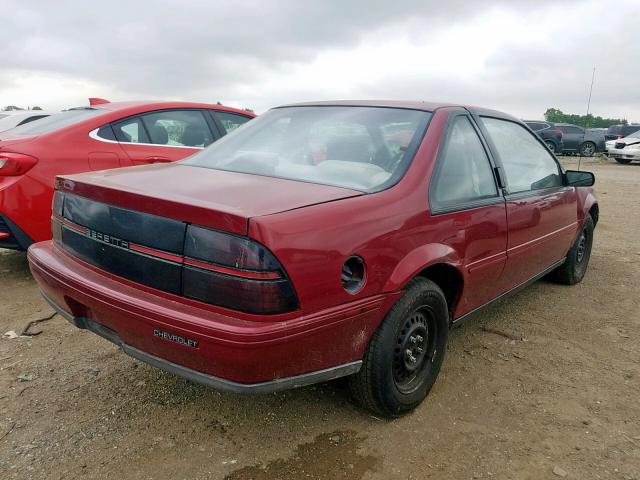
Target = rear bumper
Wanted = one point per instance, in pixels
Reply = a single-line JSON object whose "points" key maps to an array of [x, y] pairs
{"points": [[216, 349], [209, 380]]}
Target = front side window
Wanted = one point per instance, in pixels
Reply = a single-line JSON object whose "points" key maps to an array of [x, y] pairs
{"points": [[180, 128], [464, 173], [230, 121], [363, 148], [527, 164]]}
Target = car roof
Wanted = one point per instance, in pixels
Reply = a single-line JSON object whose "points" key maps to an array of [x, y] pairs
{"points": [[142, 105], [408, 104]]}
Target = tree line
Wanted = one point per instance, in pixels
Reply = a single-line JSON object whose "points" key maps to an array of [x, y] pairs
{"points": [[588, 121]]}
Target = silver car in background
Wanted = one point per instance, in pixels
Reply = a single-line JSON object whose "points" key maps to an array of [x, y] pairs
{"points": [[625, 150]]}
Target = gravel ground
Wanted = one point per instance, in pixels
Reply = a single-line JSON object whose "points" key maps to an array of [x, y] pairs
{"points": [[562, 402]]}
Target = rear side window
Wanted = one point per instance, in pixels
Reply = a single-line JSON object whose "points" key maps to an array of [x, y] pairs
{"points": [[106, 132], [535, 126], [566, 129], [180, 128], [130, 130], [464, 173], [527, 164], [230, 121]]}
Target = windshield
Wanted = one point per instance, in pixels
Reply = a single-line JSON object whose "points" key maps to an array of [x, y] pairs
{"points": [[633, 136], [362, 148], [55, 122]]}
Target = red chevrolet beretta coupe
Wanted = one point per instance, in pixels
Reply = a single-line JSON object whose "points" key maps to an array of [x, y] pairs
{"points": [[103, 135], [320, 240]]}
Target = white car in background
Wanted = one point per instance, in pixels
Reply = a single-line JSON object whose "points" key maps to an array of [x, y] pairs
{"points": [[624, 150], [9, 120]]}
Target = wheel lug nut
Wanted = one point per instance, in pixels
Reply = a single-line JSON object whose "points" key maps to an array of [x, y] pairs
{"points": [[419, 350], [410, 356], [419, 338]]}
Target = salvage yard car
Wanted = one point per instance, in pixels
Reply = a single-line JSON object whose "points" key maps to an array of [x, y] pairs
{"points": [[625, 150], [320, 240], [101, 136]]}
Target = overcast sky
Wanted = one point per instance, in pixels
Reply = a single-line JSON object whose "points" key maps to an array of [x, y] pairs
{"points": [[519, 56]]}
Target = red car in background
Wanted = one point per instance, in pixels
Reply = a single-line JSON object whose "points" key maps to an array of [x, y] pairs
{"points": [[102, 136], [321, 240]]}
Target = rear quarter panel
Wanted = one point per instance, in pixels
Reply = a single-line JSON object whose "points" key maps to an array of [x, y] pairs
{"points": [[391, 230]]}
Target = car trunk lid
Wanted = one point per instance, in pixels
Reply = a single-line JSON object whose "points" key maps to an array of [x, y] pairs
{"points": [[212, 198]]}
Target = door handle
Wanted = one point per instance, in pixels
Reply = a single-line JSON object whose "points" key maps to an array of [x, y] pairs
{"points": [[157, 159]]}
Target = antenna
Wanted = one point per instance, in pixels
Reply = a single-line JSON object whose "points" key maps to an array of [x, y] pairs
{"points": [[593, 76]]}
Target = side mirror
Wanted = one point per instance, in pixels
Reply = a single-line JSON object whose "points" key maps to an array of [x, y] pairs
{"points": [[580, 179]]}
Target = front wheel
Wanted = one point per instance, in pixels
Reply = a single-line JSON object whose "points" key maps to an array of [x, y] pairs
{"points": [[587, 149], [572, 271], [403, 359]]}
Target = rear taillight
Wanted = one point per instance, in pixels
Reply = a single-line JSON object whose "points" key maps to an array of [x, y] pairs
{"points": [[13, 164], [214, 267], [234, 272], [558, 133]]}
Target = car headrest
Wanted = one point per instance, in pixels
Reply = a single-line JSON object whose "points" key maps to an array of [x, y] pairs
{"points": [[158, 134], [193, 136]]}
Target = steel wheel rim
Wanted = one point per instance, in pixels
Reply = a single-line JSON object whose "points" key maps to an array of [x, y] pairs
{"points": [[414, 350], [581, 251]]}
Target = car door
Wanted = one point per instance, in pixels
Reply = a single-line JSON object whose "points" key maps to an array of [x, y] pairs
{"points": [[164, 135], [467, 205], [571, 137], [542, 214]]}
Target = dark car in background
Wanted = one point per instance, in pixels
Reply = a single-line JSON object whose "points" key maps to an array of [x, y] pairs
{"points": [[547, 132], [577, 139], [616, 132]]}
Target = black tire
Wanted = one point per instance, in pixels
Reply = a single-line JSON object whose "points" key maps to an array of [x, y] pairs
{"points": [[624, 161], [587, 149], [551, 145], [572, 271], [392, 381]]}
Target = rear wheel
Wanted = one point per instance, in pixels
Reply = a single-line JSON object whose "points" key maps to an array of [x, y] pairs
{"points": [[404, 356], [587, 149], [572, 271], [623, 161], [551, 145]]}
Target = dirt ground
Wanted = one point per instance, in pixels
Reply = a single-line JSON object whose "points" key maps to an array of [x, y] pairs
{"points": [[563, 402]]}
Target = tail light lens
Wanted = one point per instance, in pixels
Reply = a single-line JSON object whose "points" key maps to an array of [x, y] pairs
{"points": [[218, 268], [14, 164], [234, 272], [558, 133]]}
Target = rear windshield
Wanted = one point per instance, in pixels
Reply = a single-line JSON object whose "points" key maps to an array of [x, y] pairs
{"points": [[55, 122], [362, 148]]}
